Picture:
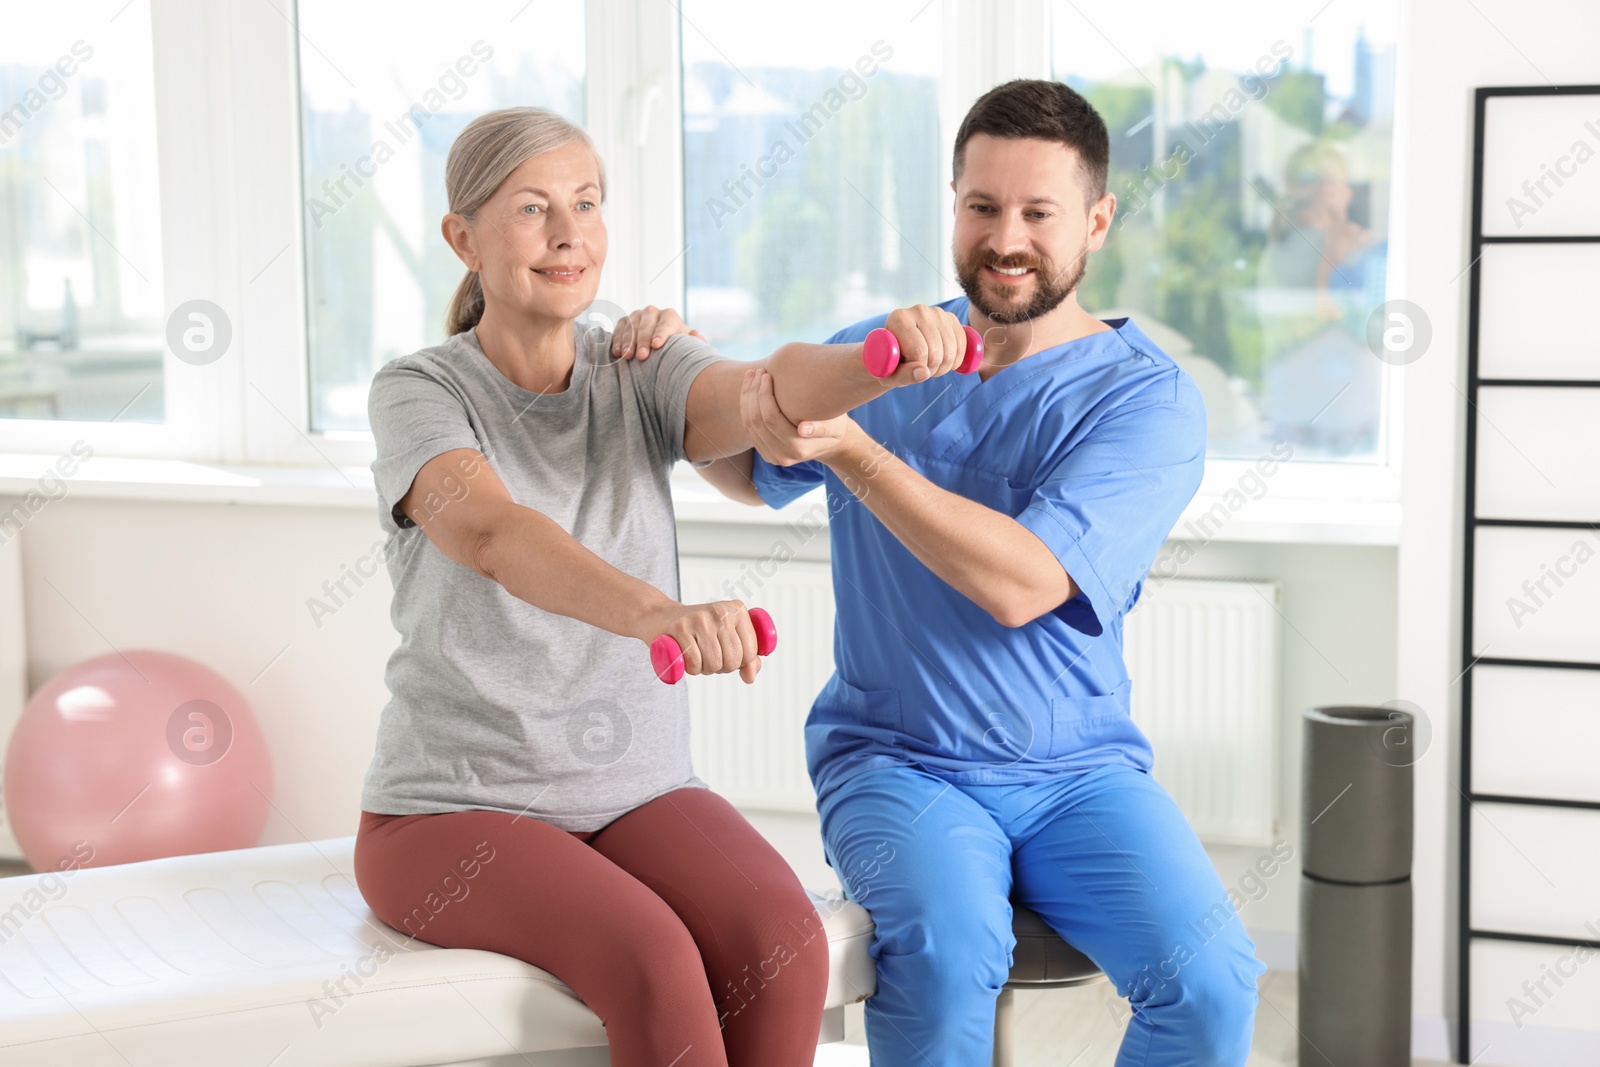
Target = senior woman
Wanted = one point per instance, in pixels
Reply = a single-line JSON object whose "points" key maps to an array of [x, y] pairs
{"points": [[531, 792]]}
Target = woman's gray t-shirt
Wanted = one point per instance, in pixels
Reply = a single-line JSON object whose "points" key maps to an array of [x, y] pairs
{"points": [[493, 703]]}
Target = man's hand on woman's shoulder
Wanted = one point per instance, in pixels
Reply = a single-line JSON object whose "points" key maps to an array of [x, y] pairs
{"points": [[641, 332]]}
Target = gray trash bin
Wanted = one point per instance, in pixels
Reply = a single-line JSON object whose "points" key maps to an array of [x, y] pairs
{"points": [[1355, 887]]}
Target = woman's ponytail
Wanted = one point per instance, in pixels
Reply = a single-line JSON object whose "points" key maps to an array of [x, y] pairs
{"points": [[466, 306]]}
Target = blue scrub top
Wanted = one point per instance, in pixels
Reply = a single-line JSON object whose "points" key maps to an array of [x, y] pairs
{"points": [[1095, 446]]}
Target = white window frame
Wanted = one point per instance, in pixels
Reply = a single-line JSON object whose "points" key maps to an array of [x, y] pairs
{"points": [[228, 118]]}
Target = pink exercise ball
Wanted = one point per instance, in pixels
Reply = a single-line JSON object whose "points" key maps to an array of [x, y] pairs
{"points": [[133, 756]]}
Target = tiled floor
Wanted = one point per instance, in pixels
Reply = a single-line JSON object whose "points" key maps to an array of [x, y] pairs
{"points": [[1081, 1028]]}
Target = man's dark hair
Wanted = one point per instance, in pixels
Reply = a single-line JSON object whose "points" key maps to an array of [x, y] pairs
{"points": [[1048, 110]]}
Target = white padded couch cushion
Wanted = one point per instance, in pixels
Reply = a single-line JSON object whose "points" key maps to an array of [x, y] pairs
{"points": [[229, 958]]}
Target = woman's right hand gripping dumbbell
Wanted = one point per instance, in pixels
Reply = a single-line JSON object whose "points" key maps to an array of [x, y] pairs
{"points": [[716, 638]]}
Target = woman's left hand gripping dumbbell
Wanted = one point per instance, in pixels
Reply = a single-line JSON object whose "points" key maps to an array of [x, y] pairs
{"points": [[717, 638]]}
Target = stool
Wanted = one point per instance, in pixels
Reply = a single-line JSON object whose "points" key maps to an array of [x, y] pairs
{"points": [[1041, 960]]}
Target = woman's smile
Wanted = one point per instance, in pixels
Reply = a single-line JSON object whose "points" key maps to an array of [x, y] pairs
{"points": [[561, 275]]}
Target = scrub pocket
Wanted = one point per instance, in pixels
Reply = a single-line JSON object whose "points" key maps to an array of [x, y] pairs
{"points": [[844, 704], [992, 490], [1078, 723]]}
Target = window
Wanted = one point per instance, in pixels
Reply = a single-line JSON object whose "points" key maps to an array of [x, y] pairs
{"points": [[381, 101], [80, 221], [1250, 157], [813, 169], [772, 186]]}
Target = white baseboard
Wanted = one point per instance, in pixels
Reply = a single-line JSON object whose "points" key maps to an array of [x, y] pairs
{"points": [[1496, 1044], [1430, 1038]]}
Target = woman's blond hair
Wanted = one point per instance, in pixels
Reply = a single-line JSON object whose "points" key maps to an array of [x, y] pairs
{"points": [[482, 157]]}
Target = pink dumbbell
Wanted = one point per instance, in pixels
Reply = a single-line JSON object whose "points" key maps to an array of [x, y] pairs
{"points": [[881, 352], [667, 658]]}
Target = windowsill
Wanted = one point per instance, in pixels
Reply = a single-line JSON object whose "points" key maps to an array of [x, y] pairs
{"points": [[181, 481], [1271, 518], [1292, 521]]}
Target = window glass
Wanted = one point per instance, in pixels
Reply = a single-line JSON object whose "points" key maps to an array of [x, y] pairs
{"points": [[1250, 158], [813, 169], [81, 330], [381, 100]]}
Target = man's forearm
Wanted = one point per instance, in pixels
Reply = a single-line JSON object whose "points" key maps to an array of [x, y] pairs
{"points": [[985, 555]]}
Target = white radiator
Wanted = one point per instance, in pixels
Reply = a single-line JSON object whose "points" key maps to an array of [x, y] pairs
{"points": [[1203, 656], [748, 741]]}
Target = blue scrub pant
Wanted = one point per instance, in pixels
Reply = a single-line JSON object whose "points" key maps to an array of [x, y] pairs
{"points": [[1104, 856]]}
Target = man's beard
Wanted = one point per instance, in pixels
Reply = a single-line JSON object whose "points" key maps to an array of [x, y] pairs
{"points": [[1051, 286]]}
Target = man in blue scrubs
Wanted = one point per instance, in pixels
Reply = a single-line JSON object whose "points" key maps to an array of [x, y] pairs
{"points": [[989, 533]]}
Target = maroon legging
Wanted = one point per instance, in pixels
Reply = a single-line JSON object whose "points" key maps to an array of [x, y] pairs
{"points": [[677, 923]]}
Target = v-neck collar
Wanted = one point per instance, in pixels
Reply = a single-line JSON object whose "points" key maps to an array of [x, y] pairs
{"points": [[964, 402]]}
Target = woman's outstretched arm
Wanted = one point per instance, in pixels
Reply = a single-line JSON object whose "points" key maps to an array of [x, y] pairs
{"points": [[466, 510], [818, 381], [733, 477]]}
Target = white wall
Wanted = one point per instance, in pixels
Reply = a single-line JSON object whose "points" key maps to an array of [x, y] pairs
{"points": [[1463, 46], [227, 585], [1338, 604]]}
